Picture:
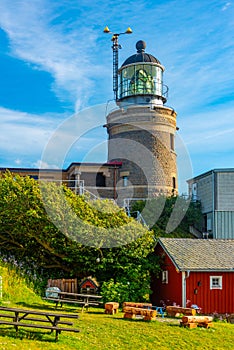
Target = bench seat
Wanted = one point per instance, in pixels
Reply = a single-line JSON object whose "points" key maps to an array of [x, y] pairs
{"points": [[37, 319], [58, 300], [57, 329], [73, 301], [45, 321]]}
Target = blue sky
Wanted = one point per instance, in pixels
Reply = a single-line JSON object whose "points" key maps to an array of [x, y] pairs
{"points": [[55, 61]]}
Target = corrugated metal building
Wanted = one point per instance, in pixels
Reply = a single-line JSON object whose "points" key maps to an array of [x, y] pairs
{"points": [[195, 271], [215, 190]]}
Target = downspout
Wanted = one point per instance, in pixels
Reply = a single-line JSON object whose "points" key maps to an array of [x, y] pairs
{"points": [[185, 275], [213, 205]]}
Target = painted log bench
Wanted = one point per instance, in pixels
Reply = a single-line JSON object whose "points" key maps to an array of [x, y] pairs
{"points": [[177, 310], [111, 308], [131, 310], [37, 320], [197, 321], [133, 304]]}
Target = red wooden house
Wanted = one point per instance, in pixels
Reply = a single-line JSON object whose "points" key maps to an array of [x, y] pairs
{"points": [[195, 271]]}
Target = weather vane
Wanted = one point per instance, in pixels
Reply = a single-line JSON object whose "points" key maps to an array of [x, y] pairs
{"points": [[115, 48]]}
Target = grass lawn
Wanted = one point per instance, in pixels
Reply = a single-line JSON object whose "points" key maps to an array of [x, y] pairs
{"points": [[100, 331]]}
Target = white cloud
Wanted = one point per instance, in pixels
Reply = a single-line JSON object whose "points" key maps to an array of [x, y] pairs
{"points": [[23, 135], [208, 137], [226, 6], [214, 129], [62, 48], [43, 165], [18, 161]]}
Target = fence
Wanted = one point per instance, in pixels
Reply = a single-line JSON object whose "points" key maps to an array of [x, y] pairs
{"points": [[65, 285]]}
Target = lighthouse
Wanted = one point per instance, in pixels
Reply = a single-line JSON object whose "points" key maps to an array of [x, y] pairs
{"points": [[141, 129]]}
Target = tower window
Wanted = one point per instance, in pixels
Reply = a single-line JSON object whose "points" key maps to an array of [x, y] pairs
{"points": [[100, 180], [125, 181], [174, 182], [35, 177], [172, 142]]}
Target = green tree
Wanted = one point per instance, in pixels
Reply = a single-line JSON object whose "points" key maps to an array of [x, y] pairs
{"points": [[163, 210], [47, 229]]}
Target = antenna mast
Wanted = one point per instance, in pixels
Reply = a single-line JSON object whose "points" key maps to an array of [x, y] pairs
{"points": [[115, 48]]}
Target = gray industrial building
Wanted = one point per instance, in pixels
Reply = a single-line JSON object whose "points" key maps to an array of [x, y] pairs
{"points": [[215, 190]]}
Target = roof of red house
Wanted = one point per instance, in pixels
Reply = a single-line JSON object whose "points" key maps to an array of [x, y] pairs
{"points": [[200, 254], [89, 279]]}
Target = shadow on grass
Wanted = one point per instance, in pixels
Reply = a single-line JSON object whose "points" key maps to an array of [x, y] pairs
{"points": [[47, 307], [51, 307], [131, 319], [29, 335], [93, 312], [168, 322]]}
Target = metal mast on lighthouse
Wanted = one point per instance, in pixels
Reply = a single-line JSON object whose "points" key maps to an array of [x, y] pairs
{"points": [[115, 48]]}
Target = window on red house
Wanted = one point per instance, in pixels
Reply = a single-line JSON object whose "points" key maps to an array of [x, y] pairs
{"points": [[165, 277], [215, 282]]}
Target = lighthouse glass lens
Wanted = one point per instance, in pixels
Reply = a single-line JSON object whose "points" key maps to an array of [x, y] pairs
{"points": [[141, 79]]}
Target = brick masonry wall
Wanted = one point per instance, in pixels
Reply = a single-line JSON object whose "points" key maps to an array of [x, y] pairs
{"points": [[141, 138]]}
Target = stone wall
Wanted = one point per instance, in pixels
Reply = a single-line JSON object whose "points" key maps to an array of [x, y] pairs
{"points": [[143, 139]]}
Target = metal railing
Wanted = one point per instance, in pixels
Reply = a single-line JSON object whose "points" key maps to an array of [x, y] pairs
{"points": [[78, 187], [139, 218]]}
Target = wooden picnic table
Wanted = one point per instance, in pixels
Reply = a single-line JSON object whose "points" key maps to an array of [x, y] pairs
{"points": [[85, 300], [50, 320]]}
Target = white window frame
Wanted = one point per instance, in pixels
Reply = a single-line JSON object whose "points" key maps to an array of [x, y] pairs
{"points": [[165, 277], [213, 284]]}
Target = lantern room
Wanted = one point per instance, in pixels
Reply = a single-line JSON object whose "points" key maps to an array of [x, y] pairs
{"points": [[141, 79]]}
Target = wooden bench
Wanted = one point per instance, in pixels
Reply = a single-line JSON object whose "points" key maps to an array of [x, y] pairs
{"points": [[67, 301], [20, 318], [85, 300], [197, 321], [148, 306], [132, 309], [85, 305], [111, 308], [147, 314], [177, 310], [140, 305]]}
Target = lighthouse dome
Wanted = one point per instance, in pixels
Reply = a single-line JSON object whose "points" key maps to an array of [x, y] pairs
{"points": [[140, 55], [141, 79]]}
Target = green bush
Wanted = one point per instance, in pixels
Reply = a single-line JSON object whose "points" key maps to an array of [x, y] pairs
{"points": [[121, 291]]}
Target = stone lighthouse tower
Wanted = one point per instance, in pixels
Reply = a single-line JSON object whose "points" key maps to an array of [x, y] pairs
{"points": [[142, 130]]}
